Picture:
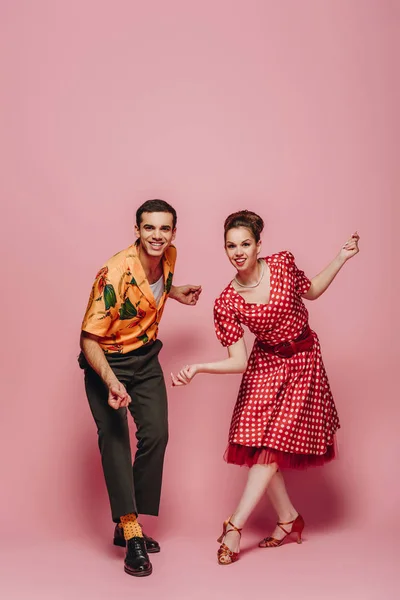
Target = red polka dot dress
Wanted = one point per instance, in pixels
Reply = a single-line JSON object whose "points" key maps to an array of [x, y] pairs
{"points": [[285, 411]]}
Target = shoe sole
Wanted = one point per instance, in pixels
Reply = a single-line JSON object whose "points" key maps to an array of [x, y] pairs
{"points": [[138, 573], [122, 544]]}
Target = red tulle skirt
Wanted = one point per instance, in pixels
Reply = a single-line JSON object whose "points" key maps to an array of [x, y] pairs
{"points": [[248, 456]]}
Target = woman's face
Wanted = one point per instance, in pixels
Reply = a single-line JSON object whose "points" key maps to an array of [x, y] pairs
{"points": [[241, 248]]}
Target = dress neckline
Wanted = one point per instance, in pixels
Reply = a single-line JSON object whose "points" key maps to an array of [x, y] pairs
{"points": [[267, 263]]}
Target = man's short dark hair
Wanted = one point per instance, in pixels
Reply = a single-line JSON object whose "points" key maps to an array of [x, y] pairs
{"points": [[151, 206]]}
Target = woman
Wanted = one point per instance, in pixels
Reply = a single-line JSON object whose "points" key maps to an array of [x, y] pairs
{"points": [[285, 414]]}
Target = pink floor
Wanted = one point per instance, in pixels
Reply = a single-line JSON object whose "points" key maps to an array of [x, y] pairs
{"points": [[337, 564]]}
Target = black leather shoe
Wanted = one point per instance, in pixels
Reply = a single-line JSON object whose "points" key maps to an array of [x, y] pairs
{"points": [[119, 540], [137, 562], [151, 545]]}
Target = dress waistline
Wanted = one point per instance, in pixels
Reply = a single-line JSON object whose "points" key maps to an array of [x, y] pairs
{"points": [[303, 343]]}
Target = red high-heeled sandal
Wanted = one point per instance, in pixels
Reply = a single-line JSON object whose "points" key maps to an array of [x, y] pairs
{"points": [[225, 555], [297, 527]]}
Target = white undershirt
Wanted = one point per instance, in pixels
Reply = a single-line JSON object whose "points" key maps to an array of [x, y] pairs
{"points": [[157, 289]]}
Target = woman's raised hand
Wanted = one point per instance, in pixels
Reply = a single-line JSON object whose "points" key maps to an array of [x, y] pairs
{"points": [[184, 376], [350, 248]]}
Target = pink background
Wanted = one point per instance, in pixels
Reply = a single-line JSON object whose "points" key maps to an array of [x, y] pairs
{"points": [[286, 108]]}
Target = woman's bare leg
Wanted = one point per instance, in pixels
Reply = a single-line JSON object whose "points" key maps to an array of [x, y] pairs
{"points": [[282, 504], [257, 482]]}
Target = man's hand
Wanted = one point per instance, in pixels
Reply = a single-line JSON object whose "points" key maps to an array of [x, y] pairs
{"points": [[186, 294], [118, 397]]}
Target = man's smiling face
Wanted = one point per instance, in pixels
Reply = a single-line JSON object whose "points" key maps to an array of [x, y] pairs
{"points": [[156, 232]]}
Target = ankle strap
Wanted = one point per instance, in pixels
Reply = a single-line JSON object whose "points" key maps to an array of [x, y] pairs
{"points": [[281, 523], [239, 531], [286, 522]]}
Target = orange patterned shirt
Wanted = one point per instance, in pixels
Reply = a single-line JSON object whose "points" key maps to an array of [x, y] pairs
{"points": [[122, 310]]}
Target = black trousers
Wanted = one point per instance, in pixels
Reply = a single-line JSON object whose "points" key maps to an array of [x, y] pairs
{"points": [[137, 488]]}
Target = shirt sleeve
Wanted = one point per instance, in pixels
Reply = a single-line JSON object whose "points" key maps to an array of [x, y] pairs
{"points": [[301, 282], [170, 257], [227, 326], [104, 302]]}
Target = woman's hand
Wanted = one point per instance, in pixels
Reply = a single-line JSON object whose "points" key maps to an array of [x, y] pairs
{"points": [[184, 376], [236, 363], [350, 248], [321, 282]]}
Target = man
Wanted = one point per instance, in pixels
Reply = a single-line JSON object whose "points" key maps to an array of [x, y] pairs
{"points": [[120, 356]]}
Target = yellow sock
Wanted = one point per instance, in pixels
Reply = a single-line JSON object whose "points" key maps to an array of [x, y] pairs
{"points": [[131, 526]]}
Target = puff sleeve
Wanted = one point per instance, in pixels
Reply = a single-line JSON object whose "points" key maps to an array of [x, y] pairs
{"points": [[227, 326], [301, 282]]}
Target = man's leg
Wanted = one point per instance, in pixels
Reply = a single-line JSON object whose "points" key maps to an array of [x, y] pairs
{"points": [[114, 444], [150, 411]]}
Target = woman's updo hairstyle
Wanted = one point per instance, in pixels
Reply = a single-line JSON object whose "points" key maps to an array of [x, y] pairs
{"points": [[245, 218]]}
